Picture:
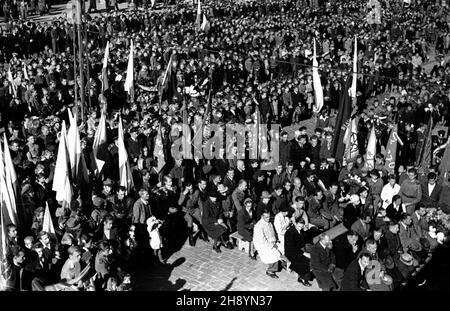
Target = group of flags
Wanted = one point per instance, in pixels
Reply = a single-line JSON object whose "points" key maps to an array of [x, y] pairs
{"points": [[9, 190]]}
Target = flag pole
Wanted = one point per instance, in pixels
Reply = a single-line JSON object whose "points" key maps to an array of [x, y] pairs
{"points": [[80, 57]]}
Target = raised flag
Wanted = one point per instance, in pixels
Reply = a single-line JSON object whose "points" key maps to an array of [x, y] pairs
{"points": [[13, 87], [159, 151], [198, 21], [105, 83], [186, 139], [352, 90], [77, 161], [205, 24], [342, 121], [25, 72], [444, 167], [129, 81], [8, 201], [61, 180], [351, 141], [126, 179], [371, 149], [391, 150], [425, 154], [318, 91], [47, 224], [99, 150]]}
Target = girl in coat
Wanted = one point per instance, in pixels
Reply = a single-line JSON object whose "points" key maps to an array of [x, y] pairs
{"points": [[156, 244]]}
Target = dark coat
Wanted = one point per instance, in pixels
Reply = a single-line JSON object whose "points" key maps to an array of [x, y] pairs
{"points": [[294, 243], [245, 224], [393, 214], [343, 251], [354, 279], [431, 200], [320, 261], [351, 214], [211, 213]]}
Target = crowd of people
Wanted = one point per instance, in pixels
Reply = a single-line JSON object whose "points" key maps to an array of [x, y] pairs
{"points": [[253, 56]]}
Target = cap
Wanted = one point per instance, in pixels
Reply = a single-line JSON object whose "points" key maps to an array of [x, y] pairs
{"points": [[248, 200]]}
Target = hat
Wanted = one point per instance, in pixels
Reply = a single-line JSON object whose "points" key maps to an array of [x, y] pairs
{"points": [[389, 262], [415, 246], [248, 200], [407, 259], [266, 195], [97, 201], [107, 182]]}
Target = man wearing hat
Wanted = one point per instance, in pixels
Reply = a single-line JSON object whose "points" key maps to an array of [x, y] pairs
{"points": [[213, 221]]}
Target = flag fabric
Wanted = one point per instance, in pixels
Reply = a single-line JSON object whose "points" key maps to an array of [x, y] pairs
{"points": [[47, 224], [167, 74], [8, 200], [351, 142], [3, 238], [342, 121], [371, 149], [13, 87], [129, 81], [159, 152], [205, 24], [126, 179], [105, 83], [25, 72], [318, 91], [61, 180], [153, 3], [391, 150], [98, 147], [77, 161], [187, 142], [425, 153], [444, 167], [355, 72], [199, 15], [77, 12]]}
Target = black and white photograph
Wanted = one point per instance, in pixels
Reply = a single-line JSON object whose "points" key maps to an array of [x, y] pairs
{"points": [[247, 146]]}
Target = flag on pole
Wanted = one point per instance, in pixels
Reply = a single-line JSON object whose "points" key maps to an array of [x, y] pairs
{"points": [[77, 12], [47, 224], [61, 180], [167, 74], [425, 154], [318, 91], [186, 140], [351, 141], [444, 167], [8, 200], [342, 121], [25, 72], [205, 24], [352, 90], [129, 81], [391, 150], [105, 83], [13, 87], [126, 179], [159, 152], [77, 161], [99, 149], [199, 16], [371, 150]]}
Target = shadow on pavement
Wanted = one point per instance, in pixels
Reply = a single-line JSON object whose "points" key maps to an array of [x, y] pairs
{"points": [[227, 288], [156, 278]]}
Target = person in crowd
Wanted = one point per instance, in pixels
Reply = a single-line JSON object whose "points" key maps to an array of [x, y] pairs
{"points": [[323, 263], [354, 276], [266, 244]]}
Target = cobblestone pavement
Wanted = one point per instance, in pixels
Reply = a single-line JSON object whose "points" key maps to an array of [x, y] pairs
{"points": [[199, 268]]}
